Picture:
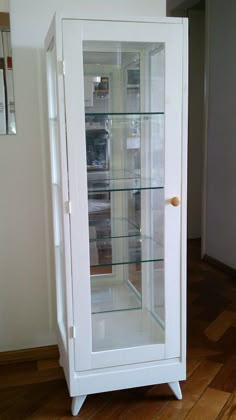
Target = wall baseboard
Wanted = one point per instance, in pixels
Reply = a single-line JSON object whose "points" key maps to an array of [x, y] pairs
{"points": [[27, 355], [221, 266]]}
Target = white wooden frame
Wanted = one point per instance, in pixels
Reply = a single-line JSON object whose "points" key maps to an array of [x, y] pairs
{"points": [[77, 171], [141, 366]]}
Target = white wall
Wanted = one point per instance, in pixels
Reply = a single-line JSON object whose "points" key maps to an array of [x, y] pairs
{"points": [[27, 304], [221, 133], [4, 5]]}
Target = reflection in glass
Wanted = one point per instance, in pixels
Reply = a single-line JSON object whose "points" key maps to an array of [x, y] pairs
{"points": [[7, 101]]}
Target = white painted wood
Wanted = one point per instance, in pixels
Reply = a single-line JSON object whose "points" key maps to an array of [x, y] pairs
{"points": [[74, 102], [172, 226], [66, 343], [107, 356], [184, 175], [129, 376], [175, 387], [66, 13], [57, 191], [65, 358], [123, 31], [77, 403], [68, 352]]}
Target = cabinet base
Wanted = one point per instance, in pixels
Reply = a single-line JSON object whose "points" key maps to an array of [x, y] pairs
{"points": [[77, 403]]}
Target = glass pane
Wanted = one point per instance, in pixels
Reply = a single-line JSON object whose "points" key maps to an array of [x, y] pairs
{"points": [[61, 298], [116, 296], [56, 191], [57, 216], [55, 170], [124, 118]]}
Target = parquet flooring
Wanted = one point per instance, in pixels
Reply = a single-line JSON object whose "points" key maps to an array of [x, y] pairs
{"points": [[36, 390]]}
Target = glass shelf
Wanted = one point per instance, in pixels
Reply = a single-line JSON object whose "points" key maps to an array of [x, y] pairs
{"points": [[126, 250], [132, 124], [113, 228], [113, 297], [120, 181], [133, 114]]}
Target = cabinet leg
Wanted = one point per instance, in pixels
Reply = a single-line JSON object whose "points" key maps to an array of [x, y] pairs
{"points": [[60, 361], [175, 387], [77, 404]]}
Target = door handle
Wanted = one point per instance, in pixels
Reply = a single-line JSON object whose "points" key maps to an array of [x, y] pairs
{"points": [[175, 201]]}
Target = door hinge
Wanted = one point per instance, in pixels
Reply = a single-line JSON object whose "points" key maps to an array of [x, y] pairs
{"points": [[61, 67], [68, 207], [73, 335]]}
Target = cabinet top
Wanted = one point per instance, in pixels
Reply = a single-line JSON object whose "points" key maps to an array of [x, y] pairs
{"points": [[68, 15]]}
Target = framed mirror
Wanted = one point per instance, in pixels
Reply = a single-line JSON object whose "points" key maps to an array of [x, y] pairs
{"points": [[7, 101]]}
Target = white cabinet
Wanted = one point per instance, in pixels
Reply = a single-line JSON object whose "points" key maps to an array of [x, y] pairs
{"points": [[117, 93]]}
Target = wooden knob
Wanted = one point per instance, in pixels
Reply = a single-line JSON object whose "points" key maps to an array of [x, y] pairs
{"points": [[175, 201]]}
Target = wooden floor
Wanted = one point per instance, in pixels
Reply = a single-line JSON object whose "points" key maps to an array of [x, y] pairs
{"points": [[37, 389]]}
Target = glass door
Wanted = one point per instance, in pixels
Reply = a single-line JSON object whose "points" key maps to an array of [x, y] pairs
{"points": [[57, 194], [130, 109]]}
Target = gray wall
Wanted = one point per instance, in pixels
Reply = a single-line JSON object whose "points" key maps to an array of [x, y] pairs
{"points": [[196, 112], [196, 117], [221, 132]]}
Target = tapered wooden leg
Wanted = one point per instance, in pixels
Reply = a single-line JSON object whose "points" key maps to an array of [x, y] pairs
{"points": [[175, 387], [77, 403]]}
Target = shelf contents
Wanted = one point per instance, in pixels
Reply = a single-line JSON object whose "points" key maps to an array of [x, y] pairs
{"points": [[97, 149]]}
